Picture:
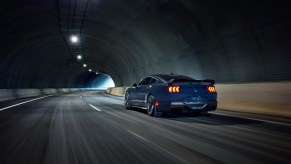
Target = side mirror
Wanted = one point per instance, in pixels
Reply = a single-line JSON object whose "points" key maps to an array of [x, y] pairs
{"points": [[134, 85]]}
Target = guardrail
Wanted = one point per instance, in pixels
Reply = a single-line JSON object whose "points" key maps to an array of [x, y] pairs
{"points": [[272, 98]]}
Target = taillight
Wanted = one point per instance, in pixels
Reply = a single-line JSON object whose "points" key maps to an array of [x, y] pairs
{"points": [[211, 89], [157, 104], [174, 89]]}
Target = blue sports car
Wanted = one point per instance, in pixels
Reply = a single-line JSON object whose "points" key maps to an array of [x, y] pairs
{"points": [[166, 92]]}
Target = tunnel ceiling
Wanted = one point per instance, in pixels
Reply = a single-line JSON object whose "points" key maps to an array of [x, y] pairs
{"points": [[229, 41]]}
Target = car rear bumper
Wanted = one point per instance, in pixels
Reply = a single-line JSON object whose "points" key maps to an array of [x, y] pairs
{"points": [[190, 106]]}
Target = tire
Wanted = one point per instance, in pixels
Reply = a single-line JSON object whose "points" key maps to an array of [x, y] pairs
{"points": [[127, 102], [203, 113], [151, 107]]}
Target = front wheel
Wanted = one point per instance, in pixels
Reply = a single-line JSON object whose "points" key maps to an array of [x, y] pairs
{"points": [[151, 107], [127, 102]]}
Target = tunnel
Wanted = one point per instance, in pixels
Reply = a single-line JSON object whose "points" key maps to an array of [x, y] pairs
{"points": [[75, 46], [228, 41]]}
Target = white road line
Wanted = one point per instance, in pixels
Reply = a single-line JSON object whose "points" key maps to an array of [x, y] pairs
{"points": [[95, 107], [255, 119], [138, 136], [25, 102]]}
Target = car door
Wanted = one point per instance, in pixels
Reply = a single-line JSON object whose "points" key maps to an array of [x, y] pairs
{"points": [[142, 91], [132, 91]]}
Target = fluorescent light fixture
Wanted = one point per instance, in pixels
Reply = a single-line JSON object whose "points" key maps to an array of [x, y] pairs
{"points": [[79, 57], [74, 39], [84, 65]]}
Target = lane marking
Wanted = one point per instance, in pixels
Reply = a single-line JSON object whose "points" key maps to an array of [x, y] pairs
{"points": [[138, 136], [26, 102], [92, 106], [254, 119]]}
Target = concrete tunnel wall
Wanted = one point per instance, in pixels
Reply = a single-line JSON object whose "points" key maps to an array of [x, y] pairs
{"points": [[245, 41], [11, 94]]}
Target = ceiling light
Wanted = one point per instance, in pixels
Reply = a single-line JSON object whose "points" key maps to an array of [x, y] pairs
{"points": [[84, 65], [90, 70], [74, 39], [79, 57]]}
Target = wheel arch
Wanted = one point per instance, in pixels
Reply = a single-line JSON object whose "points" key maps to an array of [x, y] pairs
{"points": [[147, 96]]}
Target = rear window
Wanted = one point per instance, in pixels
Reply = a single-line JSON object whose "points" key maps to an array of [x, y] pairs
{"points": [[181, 80], [177, 78]]}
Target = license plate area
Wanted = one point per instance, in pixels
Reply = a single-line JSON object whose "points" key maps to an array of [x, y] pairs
{"points": [[196, 102], [196, 99]]}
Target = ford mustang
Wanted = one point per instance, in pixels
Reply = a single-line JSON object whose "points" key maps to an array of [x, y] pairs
{"points": [[167, 92]]}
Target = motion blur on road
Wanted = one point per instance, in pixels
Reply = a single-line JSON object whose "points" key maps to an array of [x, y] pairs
{"points": [[65, 66], [93, 127]]}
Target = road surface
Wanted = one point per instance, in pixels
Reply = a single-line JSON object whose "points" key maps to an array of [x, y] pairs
{"points": [[92, 127]]}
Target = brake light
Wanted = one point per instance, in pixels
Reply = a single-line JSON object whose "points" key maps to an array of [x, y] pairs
{"points": [[174, 89], [211, 89], [156, 104]]}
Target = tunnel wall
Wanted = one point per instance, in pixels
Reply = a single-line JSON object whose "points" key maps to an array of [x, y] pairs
{"points": [[269, 98], [229, 41], [9, 94]]}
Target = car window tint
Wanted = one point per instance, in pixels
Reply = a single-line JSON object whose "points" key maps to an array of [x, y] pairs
{"points": [[182, 80], [170, 77], [153, 81], [145, 81]]}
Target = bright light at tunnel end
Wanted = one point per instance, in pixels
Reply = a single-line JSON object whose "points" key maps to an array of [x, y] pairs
{"points": [[105, 83]]}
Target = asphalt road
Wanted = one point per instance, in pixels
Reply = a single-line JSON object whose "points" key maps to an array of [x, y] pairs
{"points": [[90, 127]]}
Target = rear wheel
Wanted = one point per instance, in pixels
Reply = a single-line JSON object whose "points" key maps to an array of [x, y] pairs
{"points": [[127, 102], [204, 112], [151, 107]]}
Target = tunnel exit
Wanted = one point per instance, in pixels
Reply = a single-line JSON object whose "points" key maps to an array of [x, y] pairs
{"points": [[102, 82]]}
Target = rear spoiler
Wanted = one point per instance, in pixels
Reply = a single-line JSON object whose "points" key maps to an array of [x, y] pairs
{"points": [[205, 81], [208, 81]]}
